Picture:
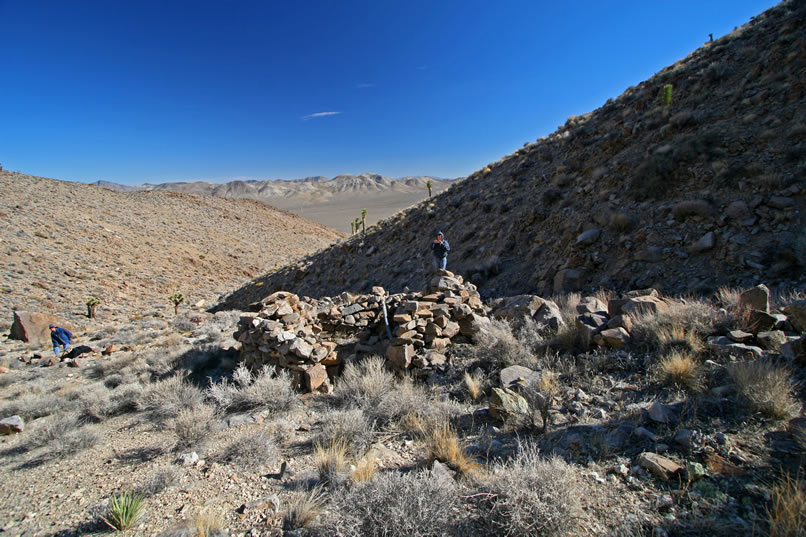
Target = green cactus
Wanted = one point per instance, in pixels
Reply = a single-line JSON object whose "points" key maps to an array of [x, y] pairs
{"points": [[176, 298], [428, 185], [92, 303], [666, 96]]}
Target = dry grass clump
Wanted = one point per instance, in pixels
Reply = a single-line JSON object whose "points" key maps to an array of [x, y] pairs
{"points": [[413, 409], [207, 523], [765, 387], [33, 405], [681, 369], [473, 385], [364, 468], [443, 444], [532, 495], [414, 504], [303, 508], [165, 399], [365, 383], [332, 462], [252, 451], [350, 427], [787, 509], [620, 222], [268, 389], [683, 327], [572, 338], [192, 427]]}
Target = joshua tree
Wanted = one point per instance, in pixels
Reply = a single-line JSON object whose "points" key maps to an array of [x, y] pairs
{"points": [[352, 228], [357, 224], [363, 220], [177, 299], [428, 186], [92, 303], [666, 97]]}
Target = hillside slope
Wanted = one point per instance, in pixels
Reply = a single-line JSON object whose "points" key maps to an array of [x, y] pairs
{"points": [[62, 242], [703, 192]]}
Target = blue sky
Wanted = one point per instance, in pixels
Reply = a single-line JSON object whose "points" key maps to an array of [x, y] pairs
{"points": [[143, 91]]}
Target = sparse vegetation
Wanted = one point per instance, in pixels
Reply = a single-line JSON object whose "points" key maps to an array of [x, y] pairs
{"points": [[443, 444], [365, 468], [269, 389], [765, 387], [125, 510], [332, 462], [681, 369], [349, 427], [666, 94], [532, 495], [176, 299], [304, 508], [92, 304], [393, 504], [787, 509], [255, 450], [428, 185], [192, 426], [473, 384], [164, 400]]}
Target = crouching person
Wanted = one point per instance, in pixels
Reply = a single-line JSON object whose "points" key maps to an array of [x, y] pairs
{"points": [[61, 339]]}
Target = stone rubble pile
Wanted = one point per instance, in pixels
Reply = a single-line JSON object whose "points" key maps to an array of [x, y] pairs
{"points": [[313, 338]]}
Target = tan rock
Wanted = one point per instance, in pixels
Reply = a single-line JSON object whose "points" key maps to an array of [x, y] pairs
{"points": [[616, 338], [506, 404], [400, 355], [33, 327], [660, 466], [315, 377]]}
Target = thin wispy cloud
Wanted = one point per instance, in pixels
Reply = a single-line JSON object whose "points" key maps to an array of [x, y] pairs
{"points": [[365, 85], [319, 114]]}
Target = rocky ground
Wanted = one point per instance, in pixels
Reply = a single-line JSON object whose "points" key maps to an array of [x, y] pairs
{"points": [[705, 191], [533, 418]]}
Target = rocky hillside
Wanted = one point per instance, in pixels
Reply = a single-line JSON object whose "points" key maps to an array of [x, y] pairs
{"points": [[703, 191], [62, 242]]}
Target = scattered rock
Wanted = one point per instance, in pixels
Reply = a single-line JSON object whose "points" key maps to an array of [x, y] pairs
{"points": [[506, 404], [659, 466], [756, 298], [12, 425]]}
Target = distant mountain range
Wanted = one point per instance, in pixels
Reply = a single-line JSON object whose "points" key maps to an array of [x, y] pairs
{"points": [[309, 187], [333, 202]]}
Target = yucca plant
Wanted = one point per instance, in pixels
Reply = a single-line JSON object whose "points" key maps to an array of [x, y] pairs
{"points": [[363, 220], [428, 185], [92, 303], [666, 96], [124, 511], [176, 298]]}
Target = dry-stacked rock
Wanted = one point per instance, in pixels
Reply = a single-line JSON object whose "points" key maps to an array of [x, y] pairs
{"points": [[312, 338]]}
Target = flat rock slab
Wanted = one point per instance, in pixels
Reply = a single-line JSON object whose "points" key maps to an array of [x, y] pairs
{"points": [[515, 375], [659, 466]]}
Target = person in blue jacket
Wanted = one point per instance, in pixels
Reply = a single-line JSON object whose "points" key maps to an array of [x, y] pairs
{"points": [[60, 338], [440, 249]]}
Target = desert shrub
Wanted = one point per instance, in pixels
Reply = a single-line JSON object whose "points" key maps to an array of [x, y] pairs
{"points": [[540, 397], [532, 495], [158, 479], [63, 434], [113, 381], [572, 338], [125, 511], [409, 406], [268, 389], [303, 508], [253, 450], [394, 505], [443, 444], [620, 222], [365, 383], [787, 510], [765, 387], [350, 427], [33, 406], [681, 369], [125, 398], [332, 462], [192, 426], [164, 400], [93, 403], [498, 344]]}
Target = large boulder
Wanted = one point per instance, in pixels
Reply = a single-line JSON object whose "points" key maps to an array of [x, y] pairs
{"points": [[506, 404], [518, 307], [756, 298], [33, 327], [796, 311], [549, 316]]}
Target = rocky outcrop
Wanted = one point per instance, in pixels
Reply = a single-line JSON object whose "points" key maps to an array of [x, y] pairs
{"points": [[33, 327]]}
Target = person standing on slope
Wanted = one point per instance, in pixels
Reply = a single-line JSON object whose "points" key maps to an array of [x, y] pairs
{"points": [[60, 338], [440, 249]]}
